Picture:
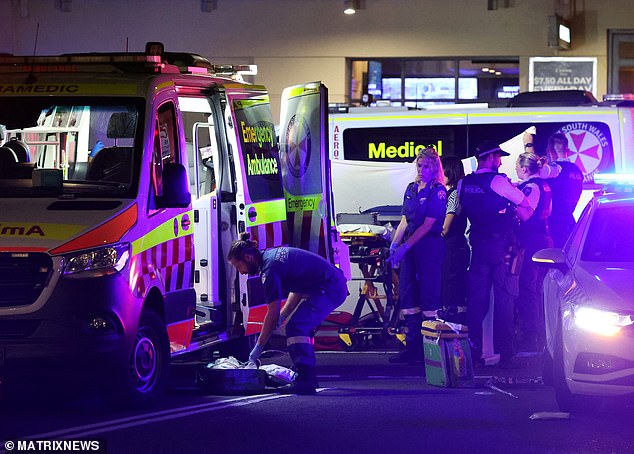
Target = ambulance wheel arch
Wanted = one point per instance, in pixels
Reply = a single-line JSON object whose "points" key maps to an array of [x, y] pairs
{"points": [[146, 371]]}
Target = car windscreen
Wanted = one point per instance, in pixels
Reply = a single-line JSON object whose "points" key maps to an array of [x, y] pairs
{"points": [[92, 143], [609, 237]]}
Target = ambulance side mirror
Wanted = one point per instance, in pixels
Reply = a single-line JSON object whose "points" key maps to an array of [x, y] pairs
{"points": [[175, 187]]}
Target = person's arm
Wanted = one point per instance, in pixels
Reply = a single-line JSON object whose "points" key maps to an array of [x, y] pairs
{"points": [[291, 304], [502, 186], [550, 170], [270, 322], [452, 209], [531, 193], [449, 217], [399, 232], [420, 232]]}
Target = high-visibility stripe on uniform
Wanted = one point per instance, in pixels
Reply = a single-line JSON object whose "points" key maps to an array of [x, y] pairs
{"points": [[411, 311], [299, 340]]}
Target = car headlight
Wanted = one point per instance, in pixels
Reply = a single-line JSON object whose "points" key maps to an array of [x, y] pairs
{"points": [[105, 260], [598, 321]]}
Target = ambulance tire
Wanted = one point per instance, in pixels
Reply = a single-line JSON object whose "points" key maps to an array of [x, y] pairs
{"points": [[566, 400], [147, 372]]}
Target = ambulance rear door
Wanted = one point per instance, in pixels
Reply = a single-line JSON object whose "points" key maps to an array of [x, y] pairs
{"points": [[305, 165], [259, 192]]}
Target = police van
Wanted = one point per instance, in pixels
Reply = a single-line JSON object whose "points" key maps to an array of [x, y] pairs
{"points": [[124, 178], [369, 146]]}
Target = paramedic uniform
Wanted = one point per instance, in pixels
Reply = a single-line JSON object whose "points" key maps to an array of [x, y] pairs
{"points": [[533, 235], [288, 269], [421, 268], [489, 200]]}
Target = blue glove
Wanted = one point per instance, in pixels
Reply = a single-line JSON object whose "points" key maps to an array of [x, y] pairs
{"points": [[393, 247], [255, 353], [399, 253]]}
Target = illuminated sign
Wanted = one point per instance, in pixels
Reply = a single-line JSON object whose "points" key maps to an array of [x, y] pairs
{"points": [[408, 150], [261, 165]]}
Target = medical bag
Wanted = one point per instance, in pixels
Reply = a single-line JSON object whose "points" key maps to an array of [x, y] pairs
{"points": [[447, 354]]}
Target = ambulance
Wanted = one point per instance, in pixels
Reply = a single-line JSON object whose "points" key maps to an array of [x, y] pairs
{"points": [[124, 179], [373, 147]]}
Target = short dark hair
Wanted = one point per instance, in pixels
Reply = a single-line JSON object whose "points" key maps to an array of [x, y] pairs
{"points": [[453, 168]]}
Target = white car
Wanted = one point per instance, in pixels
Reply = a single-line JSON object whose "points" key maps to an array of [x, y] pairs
{"points": [[589, 305]]}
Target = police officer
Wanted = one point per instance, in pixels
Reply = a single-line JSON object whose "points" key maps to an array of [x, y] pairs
{"points": [[419, 250], [533, 235], [566, 189], [490, 202], [312, 287]]}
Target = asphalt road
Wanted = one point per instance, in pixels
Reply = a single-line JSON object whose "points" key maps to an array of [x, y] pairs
{"points": [[364, 405]]}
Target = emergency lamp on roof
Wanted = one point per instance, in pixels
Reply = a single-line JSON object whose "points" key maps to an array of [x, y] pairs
{"points": [[614, 178]]}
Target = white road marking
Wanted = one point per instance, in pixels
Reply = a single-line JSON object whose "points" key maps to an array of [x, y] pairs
{"points": [[149, 418]]}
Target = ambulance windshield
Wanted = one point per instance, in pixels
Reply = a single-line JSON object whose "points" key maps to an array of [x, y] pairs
{"points": [[90, 142]]}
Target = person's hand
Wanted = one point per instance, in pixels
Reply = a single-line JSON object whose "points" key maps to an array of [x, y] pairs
{"points": [[399, 253], [255, 353]]}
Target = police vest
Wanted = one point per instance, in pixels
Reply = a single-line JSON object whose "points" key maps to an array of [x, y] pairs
{"points": [[538, 222], [566, 189], [488, 212]]}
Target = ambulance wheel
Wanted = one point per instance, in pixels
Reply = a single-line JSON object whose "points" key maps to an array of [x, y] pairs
{"points": [[148, 365]]}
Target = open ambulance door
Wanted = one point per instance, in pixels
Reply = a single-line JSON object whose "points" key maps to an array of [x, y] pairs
{"points": [[305, 165], [259, 193]]}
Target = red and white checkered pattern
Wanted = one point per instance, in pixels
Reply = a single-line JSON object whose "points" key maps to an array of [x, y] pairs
{"points": [[170, 265]]}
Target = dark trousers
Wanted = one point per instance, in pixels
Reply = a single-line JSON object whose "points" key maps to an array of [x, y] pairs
{"points": [[420, 279], [530, 311], [454, 272], [489, 270], [301, 327], [560, 228]]}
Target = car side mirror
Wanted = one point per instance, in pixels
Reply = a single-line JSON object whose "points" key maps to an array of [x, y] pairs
{"points": [[551, 258], [175, 187]]}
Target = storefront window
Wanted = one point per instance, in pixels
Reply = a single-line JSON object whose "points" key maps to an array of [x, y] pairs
{"points": [[418, 83]]}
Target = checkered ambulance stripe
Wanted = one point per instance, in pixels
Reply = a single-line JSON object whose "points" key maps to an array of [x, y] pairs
{"points": [[307, 231], [169, 264], [270, 235]]}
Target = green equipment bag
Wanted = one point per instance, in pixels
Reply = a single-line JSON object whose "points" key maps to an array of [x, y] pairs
{"points": [[447, 354]]}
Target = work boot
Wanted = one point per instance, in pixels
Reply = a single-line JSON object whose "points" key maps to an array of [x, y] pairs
{"points": [[305, 382], [407, 357]]}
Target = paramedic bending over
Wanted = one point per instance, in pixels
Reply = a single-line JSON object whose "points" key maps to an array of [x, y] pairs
{"points": [[312, 288], [420, 250]]}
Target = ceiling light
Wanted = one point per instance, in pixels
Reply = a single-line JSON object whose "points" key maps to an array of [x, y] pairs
{"points": [[498, 73], [350, 6], [485, 70], [492, 71]]}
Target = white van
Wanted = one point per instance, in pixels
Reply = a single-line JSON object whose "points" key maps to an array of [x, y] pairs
{"points": [[369, 146]]}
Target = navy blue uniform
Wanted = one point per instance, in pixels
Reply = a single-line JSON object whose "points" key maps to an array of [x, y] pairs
{"points": [[421, 268], [533, 236], [566, 189], [288, 269], [492, 234], [456, 264]]}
